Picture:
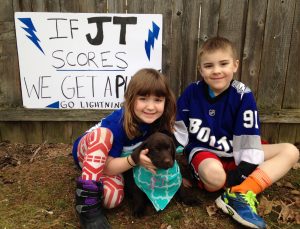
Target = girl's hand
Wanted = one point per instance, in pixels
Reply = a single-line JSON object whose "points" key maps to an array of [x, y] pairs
{"points": [[146, 161]]}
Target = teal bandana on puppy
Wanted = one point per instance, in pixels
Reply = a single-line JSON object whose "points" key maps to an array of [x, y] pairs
{"points": [[160, 187]]}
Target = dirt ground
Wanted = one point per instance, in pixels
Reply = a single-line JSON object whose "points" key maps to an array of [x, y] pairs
{"points": [[37, 184]]}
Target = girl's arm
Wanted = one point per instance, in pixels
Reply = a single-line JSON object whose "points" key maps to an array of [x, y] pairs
{"points": [[118, 165]]}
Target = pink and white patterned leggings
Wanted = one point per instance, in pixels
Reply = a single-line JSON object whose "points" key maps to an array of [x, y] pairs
{"points": [[92, 153]]}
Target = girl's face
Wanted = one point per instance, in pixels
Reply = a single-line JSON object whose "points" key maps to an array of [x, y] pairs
{"points": [[217, 69], [149, 108]]}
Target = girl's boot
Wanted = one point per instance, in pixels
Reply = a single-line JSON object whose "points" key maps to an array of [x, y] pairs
{"points": [[89, 194]]}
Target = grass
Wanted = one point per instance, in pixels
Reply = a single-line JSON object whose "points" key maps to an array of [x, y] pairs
{"points": [[40, 195]]}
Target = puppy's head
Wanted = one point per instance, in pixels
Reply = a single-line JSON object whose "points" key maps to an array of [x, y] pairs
{"points": [[161, 150]]}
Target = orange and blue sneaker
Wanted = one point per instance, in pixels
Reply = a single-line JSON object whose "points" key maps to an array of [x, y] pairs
{"points": [[242, 208]]}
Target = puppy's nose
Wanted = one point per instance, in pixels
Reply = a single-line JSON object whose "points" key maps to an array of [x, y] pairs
{"points": [[168, 162]]}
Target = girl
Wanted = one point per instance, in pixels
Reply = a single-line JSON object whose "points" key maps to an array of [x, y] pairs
{"points": [[149, 106]]}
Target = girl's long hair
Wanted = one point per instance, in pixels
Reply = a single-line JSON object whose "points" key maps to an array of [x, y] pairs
{"points": [[148, 82]]}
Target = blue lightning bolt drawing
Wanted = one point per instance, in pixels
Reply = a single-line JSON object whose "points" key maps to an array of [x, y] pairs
{"points": [[151, 36], [30, 29], [54, 105]]}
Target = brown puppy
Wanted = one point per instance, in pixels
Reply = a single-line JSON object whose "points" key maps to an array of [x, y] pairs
{"points": [[161, 150], [162, 154]]}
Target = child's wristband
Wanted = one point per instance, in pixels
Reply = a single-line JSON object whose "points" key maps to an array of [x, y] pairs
{"points": [[129, 161]]}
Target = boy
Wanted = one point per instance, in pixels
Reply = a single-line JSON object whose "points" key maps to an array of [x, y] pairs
{"points": [[217, 122]]}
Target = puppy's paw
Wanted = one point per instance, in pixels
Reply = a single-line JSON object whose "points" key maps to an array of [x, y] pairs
{"points": [[190, 200], [138, 212], [186, 196]]}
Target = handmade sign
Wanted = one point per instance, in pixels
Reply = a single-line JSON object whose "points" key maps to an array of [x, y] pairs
{"points": [[83, 60]]}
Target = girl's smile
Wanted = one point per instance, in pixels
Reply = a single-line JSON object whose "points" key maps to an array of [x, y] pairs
{"points": [[149, 108]]}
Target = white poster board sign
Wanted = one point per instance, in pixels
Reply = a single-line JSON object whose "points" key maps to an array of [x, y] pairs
{"points": [[83, 60]]}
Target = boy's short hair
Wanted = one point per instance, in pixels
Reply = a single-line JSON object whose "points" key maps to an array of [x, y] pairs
{"points": [[214, 44]]}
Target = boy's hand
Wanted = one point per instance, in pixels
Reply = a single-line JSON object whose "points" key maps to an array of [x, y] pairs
{"points": [[234, 178], [238, 175]]}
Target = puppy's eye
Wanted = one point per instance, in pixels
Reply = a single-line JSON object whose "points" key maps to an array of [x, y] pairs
{"points": [[151, 152]]}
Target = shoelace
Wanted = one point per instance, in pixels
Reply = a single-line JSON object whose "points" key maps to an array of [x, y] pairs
{"points": [[250, 198]]}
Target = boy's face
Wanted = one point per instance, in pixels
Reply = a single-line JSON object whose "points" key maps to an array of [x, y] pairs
{"points": [[217, 69]]}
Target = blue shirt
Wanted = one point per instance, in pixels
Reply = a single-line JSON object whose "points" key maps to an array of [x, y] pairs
{"points": [[121, 142], [227, 124]]}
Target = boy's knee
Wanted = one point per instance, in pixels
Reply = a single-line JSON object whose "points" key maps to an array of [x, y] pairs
{"points": [[290, 152], [213, 177], [293, 152]]}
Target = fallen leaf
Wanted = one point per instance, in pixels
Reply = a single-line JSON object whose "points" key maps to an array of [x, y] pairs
{"points": [[296, 166], [295, 192], [163, 226], [265, 206], [187, 222], [297, 202], [288, 185], [276, 203], [286, 214], [297, 218], [211, 209]]}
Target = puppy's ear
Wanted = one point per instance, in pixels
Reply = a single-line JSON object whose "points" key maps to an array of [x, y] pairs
{"points": [[142, 146], [173, 148]]}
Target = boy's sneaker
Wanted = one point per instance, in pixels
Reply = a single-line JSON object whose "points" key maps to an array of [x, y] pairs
{"points": [[241, 207]]}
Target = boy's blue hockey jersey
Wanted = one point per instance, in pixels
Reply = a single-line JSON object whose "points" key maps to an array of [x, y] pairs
{"points": [[226, 125]]}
